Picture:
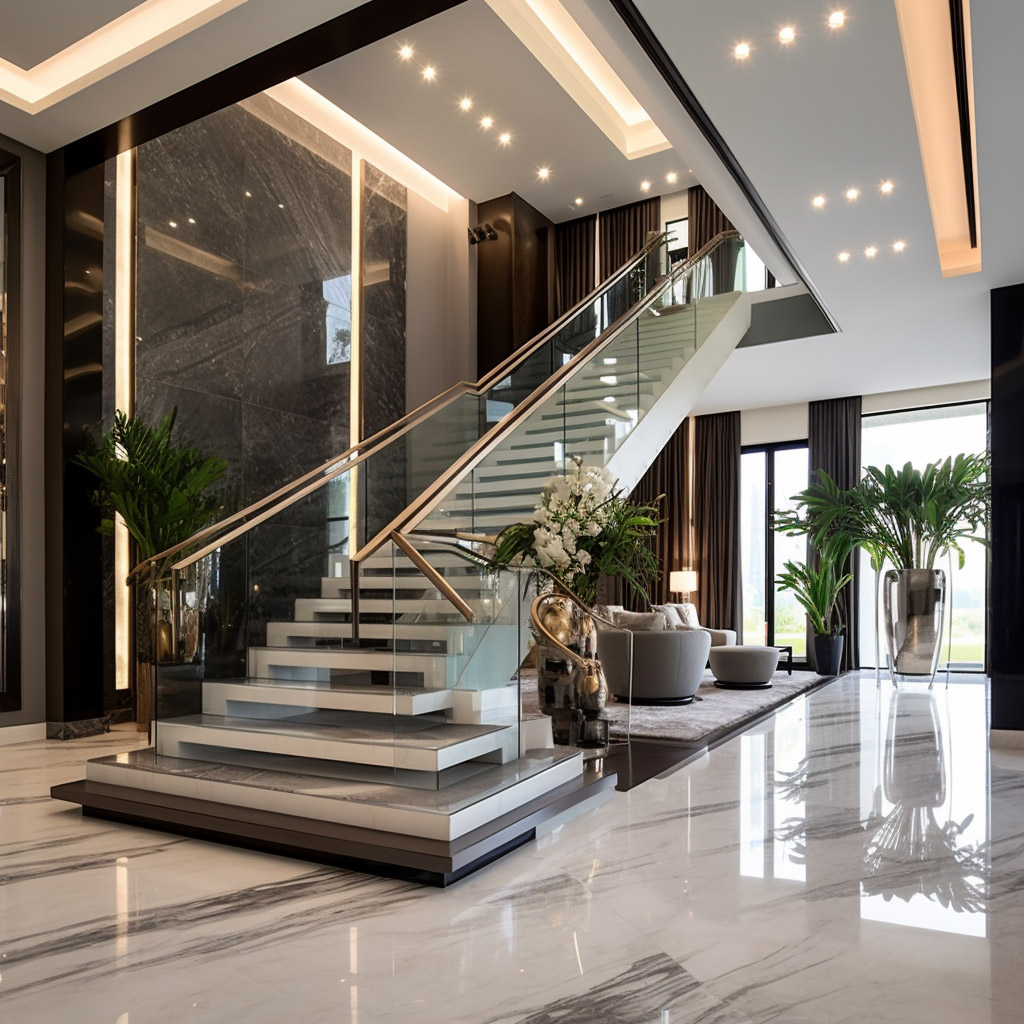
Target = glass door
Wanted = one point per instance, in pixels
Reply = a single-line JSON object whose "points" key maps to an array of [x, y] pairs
{"points": [[769, 476]]}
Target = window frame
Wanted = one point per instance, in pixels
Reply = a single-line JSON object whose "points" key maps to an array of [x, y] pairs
{"points": [[769, 449]]}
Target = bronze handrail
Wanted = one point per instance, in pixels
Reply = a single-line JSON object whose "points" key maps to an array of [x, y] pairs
{"points": [[413, 514], [294, 490]]}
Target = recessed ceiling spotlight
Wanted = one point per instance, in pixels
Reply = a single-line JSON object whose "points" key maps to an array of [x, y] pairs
{"points": [[610, 398], [486, 122], [173, 223], [191, 220], [465, 103], [505, 138], [871, 252], [645, 186], [671, 177], [837, 19], [818, 202], [899, 246], [429, 73], [579, 200], [609, 379], [405, 52], [543, 173], [787, 34], [248, 194], [843, 257], [886, 187], [280, 206], [852, 193], [742, 51]]}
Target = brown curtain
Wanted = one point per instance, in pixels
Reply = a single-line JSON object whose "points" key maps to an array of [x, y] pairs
{"points": [[833, 444], [624, 230], [706, 221], [574, 262], [666, 476], [716, 520]]}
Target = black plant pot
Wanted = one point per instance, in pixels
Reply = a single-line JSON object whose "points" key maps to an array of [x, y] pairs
{"points": [[828, 654]]}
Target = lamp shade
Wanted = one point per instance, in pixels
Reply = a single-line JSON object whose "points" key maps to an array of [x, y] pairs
{"points": [[682, 581]]}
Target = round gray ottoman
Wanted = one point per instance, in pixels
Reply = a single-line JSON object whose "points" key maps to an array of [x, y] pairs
{"points": [[744, 668]]}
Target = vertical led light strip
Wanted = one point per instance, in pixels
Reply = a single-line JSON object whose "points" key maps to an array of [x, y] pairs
{"points": [[355, 413], [124, 257]]}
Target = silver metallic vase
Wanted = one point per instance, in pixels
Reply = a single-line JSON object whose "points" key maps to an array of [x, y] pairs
{"points": [[914, 601]]}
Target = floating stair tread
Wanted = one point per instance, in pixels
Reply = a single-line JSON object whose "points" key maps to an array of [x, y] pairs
{"points": [[381, 700], [428, 743], [421, 732]]}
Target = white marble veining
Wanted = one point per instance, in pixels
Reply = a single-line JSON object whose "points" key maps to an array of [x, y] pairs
{"points": [[858, 857]]}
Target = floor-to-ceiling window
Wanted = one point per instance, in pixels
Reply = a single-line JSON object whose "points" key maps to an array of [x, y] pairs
{"points": [[770, 476], [921, 436]]}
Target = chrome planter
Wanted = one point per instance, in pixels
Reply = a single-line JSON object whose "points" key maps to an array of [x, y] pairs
{"points": [[571, 687], [914, 601]]}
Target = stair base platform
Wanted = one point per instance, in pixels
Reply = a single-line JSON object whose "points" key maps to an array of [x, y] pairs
{"points": [[426, 861]]}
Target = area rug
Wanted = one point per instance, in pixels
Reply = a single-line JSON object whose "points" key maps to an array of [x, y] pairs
{"points": [[715, 711]]}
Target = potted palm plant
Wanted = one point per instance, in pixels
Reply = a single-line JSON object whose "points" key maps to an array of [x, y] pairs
{"points": [[162, 492], [818, 591], [909, 519]]}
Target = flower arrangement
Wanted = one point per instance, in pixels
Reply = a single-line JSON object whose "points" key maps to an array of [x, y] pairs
{"points": [[584, 528]]}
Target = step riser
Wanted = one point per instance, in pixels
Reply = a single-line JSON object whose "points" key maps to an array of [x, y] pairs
{"points": [[322, 665]]}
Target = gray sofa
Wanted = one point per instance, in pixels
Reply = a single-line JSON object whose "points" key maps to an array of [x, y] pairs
{"points": [[668, 665]]}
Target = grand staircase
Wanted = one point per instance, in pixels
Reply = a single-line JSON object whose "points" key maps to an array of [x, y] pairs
{"points": [[344, 682]]}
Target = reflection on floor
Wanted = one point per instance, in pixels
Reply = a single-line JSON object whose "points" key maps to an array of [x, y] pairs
{"points": [[856, 857]]}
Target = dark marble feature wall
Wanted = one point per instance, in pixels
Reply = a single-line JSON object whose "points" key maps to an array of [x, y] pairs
{"points": [[385, 238], [243, 319], [1006, 599]]}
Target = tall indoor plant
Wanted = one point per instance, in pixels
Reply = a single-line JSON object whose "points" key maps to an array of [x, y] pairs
{"points": [[818, 590], [162, 490], [909, 518]]}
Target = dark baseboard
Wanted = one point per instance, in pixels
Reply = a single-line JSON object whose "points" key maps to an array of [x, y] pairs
{"points": [[426, 861], [77, 730]]}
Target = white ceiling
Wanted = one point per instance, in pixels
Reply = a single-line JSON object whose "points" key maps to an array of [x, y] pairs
{"points": [[829, 112], [45, 25], [476, 55], [37, 30]]}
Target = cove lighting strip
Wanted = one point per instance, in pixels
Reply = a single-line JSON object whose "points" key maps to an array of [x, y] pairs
{"points": [[124, 260], [118, 44], [944, 130]]}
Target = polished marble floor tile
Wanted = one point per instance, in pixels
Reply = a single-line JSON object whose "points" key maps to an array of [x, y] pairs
{"points": [[857, 857]]}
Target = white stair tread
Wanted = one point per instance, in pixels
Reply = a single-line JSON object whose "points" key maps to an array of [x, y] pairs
{"points": [[424, 743], [382, 700]]}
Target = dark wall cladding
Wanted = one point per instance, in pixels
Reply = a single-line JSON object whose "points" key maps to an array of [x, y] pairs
{"points": [[241, 231], [243, 318]]}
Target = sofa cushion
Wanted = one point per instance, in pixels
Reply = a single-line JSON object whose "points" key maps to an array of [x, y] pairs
{"points": [[672, 618], [640, 622], [688, 613]]}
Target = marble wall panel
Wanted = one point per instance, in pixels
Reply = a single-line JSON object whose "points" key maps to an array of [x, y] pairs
{"points": [[385, 247], [243, 322]]}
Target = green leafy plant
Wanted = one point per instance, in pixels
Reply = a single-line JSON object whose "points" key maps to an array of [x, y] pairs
{"points": [[817, 590], [161, 489], [584, 529], [909, 517]]}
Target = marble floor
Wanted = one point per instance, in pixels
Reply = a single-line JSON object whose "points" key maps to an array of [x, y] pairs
{"points": [[857, 857]]}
